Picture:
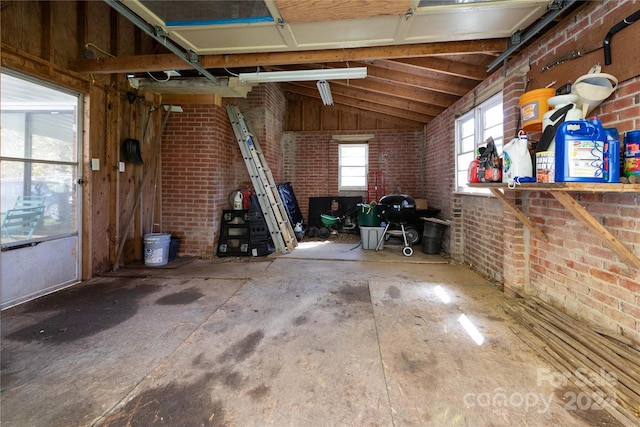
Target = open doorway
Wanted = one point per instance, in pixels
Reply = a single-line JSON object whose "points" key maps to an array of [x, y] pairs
{"points": [[39, 202]]}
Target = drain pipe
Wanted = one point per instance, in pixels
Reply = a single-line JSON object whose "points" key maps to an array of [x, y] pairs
{"points": [[160, 35], [615, 29]]}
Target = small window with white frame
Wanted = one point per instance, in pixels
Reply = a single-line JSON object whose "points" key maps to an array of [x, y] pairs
{"points": [[353, 163], [471, 132]]}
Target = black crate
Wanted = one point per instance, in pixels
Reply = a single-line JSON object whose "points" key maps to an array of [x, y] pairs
{"points": [[234, 217], [234, 247], [234, 232]]}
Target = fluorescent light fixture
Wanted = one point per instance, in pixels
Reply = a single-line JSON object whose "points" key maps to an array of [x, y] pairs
{"points": [[325, 92], [304, 75]]}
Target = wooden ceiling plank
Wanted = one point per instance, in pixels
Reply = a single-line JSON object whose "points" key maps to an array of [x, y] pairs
{"points": [[438, 65], [161, 62], [129, 64], [388, 87], [363, 104], [377, 98], [457, 88], [296, 11]]}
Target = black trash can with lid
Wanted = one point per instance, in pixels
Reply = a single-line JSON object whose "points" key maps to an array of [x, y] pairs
{"points": [[432, 235]]}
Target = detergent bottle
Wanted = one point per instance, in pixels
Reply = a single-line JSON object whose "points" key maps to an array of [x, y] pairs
{"points": [[237, 201], [579, 151]]}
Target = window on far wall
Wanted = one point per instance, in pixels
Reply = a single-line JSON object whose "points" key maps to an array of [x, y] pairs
{"points": [[472, 130], [353, 163]]}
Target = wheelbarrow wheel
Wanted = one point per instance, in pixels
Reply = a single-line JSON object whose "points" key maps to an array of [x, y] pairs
{"points": [[323, 232]]}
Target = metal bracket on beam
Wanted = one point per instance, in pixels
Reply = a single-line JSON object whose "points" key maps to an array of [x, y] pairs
{"points": [[408, 15], [555, 5], [160, 34], [516, 38], [534, 30], [193, 57]]}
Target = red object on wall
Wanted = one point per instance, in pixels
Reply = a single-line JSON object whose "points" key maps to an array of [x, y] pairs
{"points": [[472, 174], [375, 186], [245, 200]]}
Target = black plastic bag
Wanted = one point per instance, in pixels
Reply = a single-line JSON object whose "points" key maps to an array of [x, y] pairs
{"points": [[489, 164]]}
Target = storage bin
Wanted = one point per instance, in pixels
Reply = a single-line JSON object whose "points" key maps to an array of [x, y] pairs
{"points": [[370, 237]]}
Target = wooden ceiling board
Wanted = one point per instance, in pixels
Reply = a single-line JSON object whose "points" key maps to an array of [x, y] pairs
{"points": [[452, 68], [420, 60], [401, 91], [378, 98], [349, 33], [488, 19], [237, 39], [362, 104], [296, 11]]}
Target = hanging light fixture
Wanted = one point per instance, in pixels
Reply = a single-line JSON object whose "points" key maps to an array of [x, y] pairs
{"points": [[304, 75], [325, 92]]}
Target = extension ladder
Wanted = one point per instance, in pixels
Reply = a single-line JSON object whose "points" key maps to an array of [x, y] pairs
{"points": [[269, 199]]}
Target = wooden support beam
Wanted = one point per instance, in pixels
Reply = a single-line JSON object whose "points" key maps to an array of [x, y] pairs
{"points": [[596, 228], [142, 63], [388, 99], [398, 121], [363, 104], [520, 215], [437, 65], [430, 82], [395, 89], [15, 59]]}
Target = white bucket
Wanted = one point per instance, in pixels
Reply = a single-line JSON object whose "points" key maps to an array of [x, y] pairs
{"points": [[156, 248]]}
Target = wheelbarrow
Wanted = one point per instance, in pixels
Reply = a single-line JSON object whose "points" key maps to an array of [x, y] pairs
{"points": [[330, 224]]}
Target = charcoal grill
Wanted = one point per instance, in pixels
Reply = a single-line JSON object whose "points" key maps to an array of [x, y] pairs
{"points": [[397, 210]]}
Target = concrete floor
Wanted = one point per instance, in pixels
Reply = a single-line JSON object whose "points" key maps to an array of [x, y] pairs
{"points": [[325, 336]]}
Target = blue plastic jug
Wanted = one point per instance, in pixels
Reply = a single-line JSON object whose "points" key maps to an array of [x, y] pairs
{"points": [[579, 151], [611, 156]]}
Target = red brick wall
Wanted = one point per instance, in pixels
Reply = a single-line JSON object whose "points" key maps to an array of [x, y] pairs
{"points": [[574, 271], [311, 163], [201, 164]]}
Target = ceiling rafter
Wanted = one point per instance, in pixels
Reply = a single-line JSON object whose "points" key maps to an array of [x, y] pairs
{"points": [[401, 91], [161, 62], [389, 86], [437, 65], [404, 123], [378, 98], [362, 104]]}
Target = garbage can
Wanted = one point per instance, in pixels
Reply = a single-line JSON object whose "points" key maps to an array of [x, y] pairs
{"points": [[432, 235]]}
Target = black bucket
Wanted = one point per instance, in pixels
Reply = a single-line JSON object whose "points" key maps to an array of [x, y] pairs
{"points": [[174, 244], [432, 237]]}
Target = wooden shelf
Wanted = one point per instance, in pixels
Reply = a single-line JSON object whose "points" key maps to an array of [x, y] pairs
{"points": [[582, 187], [560, 191]]}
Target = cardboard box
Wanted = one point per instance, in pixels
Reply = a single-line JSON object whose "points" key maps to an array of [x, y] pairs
{"points": [[421, 203], [546, 166]]}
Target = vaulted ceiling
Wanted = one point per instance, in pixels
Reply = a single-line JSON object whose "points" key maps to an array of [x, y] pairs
{"points": [[421, 55]]}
